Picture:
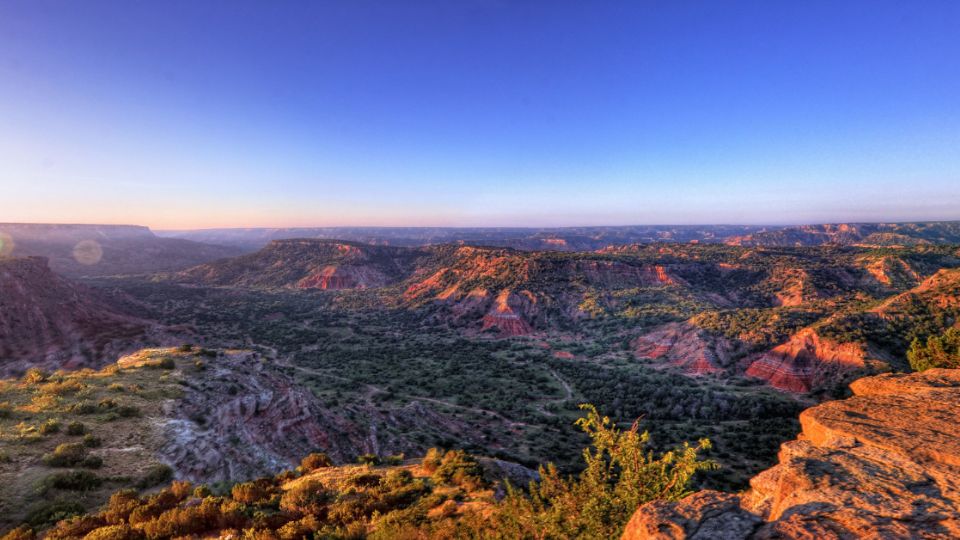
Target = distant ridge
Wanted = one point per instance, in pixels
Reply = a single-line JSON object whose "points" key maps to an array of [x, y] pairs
{"points": [[77, 250], [593, 238]]}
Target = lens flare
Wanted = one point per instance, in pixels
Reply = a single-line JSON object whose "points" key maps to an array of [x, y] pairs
{"points": [[87, 252], [6, 244]]}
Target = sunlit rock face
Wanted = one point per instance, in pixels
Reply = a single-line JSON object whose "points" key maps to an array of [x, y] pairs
{"points": [[882, 464], [685, 346], [807, 362]]}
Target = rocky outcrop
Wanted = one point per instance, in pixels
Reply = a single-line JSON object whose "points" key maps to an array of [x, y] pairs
{"points": [[685, 346], [507, 313], [336, 278], [244, 418], [892, 272], [49, 322], [882, 464], [605, 273], [235, 415], [807, 362]]}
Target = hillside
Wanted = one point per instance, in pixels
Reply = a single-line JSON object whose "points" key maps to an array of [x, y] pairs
{"points": [[882, 464], [309, 264], [99, 250], [197, 414], [50, 322]]}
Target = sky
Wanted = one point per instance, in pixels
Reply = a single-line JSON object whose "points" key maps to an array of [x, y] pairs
{"points": [[195, 114]]}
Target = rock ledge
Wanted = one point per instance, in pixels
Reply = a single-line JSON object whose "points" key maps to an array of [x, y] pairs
{"points": [[884, 463]]}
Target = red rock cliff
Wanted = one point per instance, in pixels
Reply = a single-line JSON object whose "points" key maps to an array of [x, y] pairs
{"points": [[882, 464]]}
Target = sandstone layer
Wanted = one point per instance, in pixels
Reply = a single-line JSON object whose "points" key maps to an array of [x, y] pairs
{"points": [[884, 463]]}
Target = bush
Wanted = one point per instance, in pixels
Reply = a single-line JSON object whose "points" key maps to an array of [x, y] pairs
{"points": [[368, 459], [34, 376], [128, 411], [91, 441], [49, 427], [84, 407], [114, 532], [315, 461], [248, 492], [937, 352], [76, 428], [459, 468], [307, 498], [155, 475], [66, 455], [73, 481], [621, 474], [48, 513]]}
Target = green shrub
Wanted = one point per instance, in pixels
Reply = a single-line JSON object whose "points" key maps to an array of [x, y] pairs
{"points": [[368, 459], [48, 513], [73, 481], [127, 411], [84, 407], [459, 468], [155, 475], [395, 459], [76, 428], [50, 427], [91, 441], [66, 455], [167, 363], [937, 352], [621, 474]]}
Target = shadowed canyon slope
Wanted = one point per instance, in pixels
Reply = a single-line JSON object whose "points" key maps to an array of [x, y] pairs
{"points": [[882, 464], [50, 322]]}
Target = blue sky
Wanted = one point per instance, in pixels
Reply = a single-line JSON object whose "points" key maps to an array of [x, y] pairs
{"points": [[181, 114]]}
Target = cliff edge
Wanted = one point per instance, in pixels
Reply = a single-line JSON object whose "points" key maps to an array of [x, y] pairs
{"points": [[884, 463]]}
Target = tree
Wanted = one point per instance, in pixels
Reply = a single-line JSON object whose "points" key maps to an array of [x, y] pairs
{"points": [[937, 352], [620, 475]]}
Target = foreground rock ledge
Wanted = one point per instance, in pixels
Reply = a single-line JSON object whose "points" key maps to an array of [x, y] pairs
{"points": [[884, 463]]}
